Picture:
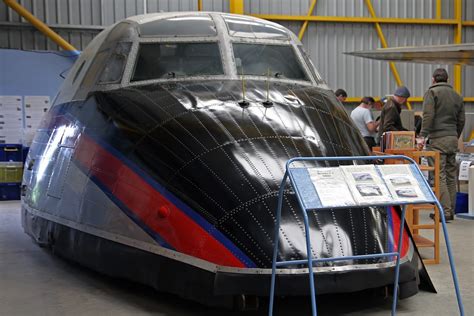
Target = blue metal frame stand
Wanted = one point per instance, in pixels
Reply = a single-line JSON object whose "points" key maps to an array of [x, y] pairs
{"points": [[431, 198]]}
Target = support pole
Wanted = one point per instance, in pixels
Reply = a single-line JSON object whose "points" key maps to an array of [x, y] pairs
{"points": [[397, 265], [305, 23], [275, 247], [378, 28], [458, 40], [237, 6], [451, 258], [43, 28], [438, 9]]}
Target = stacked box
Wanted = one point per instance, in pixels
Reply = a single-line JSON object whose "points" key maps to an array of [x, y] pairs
{"points": [[10, 191], [11, 172], [11, 152]]}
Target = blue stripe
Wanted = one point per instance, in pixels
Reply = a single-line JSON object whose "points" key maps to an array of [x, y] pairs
{"points": [[178, 203], [63, 110], [126, 210]]}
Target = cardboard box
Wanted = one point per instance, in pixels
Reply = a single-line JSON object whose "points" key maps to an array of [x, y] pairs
{"points": [[469, 149]]}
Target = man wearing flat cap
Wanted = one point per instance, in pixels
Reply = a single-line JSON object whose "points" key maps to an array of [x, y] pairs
{"points": [[442, 125], [390, 119]]}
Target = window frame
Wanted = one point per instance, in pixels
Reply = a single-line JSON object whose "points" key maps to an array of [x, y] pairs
{"points": [[304, 67], [225, 42], [124, 65], [132, 63], [78, 72]]}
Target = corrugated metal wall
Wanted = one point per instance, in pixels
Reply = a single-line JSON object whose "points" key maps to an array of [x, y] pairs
{"points": [[80, 20], [326, 42], [388, 8], [468, 37]]}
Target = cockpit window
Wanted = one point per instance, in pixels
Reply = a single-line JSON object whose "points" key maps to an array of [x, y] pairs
{"points": [[251, 28], [276, 61], [201, 25], [113, 70], [174, 60], [311, 67]]}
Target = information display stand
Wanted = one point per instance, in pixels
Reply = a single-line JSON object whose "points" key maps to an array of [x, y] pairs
{"points": [[357, 186]]}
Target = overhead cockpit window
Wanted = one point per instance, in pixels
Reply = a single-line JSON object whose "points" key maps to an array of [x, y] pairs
{"points": [[201, 25], [113, 70], [251, 28], [277, 61], [175, 60]]}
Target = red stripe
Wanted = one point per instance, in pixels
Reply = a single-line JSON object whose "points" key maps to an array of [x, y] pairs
{"points": [[152, 208], [396, 233]]}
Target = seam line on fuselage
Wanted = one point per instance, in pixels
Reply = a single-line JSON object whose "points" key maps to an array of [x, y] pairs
{"points": [[193, 261]]}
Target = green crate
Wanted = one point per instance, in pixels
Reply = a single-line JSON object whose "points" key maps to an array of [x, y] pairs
{"points": [[11, 172]]}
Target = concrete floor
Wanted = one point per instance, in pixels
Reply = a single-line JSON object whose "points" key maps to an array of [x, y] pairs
{"points": [[34, 282]]}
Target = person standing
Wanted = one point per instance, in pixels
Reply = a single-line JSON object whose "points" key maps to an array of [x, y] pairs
{"points": [[390, 119], [364, 120], [442, 125], [341, 95]]}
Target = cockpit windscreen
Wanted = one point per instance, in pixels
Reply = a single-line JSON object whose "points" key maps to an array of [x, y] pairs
{"points": [[174, 60], [278, 61]]}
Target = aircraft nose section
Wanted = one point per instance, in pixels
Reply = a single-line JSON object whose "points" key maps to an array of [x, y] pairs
{"points": [[226, 161]]}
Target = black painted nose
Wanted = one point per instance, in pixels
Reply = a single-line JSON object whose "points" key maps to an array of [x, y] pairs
{"points": [[226, 162]]}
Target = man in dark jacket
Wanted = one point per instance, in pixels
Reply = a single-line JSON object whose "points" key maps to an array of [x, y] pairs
{"points": [[341, 95], [390, 117], [442, 125]]}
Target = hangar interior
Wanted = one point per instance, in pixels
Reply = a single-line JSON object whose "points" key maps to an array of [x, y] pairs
{"points": [[40, 40]]}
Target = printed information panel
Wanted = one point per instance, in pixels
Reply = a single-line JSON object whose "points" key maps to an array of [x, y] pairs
{"points": [[361, 185]]}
